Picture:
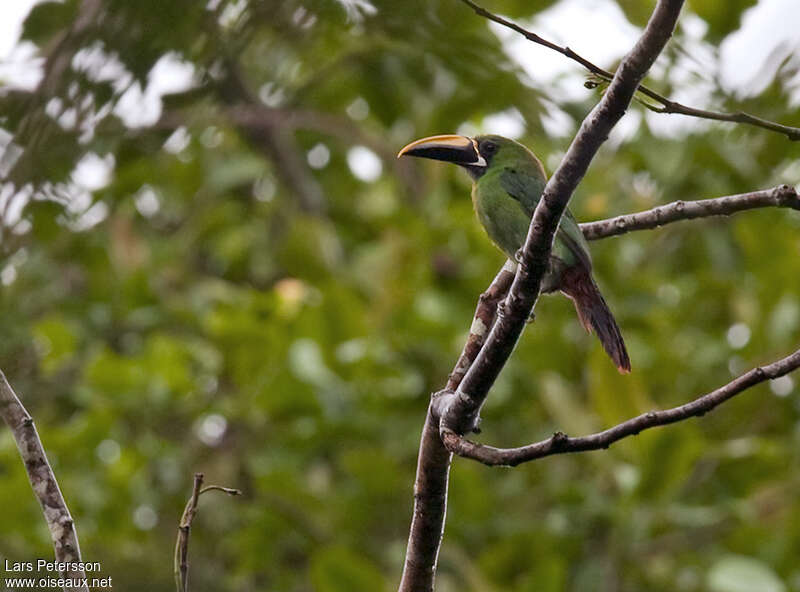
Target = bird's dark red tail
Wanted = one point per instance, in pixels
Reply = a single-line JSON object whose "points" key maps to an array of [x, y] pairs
{"points": [[595, 315]]}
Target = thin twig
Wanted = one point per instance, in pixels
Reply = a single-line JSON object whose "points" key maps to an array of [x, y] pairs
{"points": [[560, 443], [782, 196], [181, 561], [45, 487], [667, 105]]}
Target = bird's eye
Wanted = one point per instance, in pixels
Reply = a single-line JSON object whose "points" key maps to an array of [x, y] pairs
{"points": [[489, 148]]}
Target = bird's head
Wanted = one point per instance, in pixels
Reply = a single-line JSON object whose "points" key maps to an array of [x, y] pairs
{"points": [[477, 155]]}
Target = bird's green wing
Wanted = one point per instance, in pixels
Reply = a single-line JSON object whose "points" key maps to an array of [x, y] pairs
{"points": [[527, 189], [572, 236]]}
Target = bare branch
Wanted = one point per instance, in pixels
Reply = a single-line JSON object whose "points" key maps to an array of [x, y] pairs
{"points": [[524, 291], [782, 196], [461, 408], [181, 561], [430, 485], [560, 443], [45, 487], [430, 507], [667, 105]]}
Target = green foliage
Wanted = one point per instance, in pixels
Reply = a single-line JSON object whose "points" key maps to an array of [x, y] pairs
{"points": [[722, 18], [46, 20], [209, 319], [336, 569]]}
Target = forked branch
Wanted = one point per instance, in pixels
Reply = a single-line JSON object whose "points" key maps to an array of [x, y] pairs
{"points": [[430, 488]]}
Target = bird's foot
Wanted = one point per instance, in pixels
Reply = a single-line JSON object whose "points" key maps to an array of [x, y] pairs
{"points": [[531, 317], [518, 256], [501, 309]]}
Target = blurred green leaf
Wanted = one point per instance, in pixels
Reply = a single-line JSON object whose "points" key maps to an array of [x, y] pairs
{"points": [[337, 569], [46, 19]]}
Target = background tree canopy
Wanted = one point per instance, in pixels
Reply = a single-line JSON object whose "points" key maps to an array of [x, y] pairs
{"points": [[212, 261]]}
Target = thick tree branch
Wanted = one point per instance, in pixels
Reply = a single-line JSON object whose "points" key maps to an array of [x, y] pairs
{"points": [[459, 411], [430, 507], [45, 487], [667, 105], [464, 406], [560, 443], [433, 466], [434, 460], [782, 196]]}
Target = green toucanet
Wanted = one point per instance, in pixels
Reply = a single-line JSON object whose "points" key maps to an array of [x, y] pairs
{"points": [[508, 181]]}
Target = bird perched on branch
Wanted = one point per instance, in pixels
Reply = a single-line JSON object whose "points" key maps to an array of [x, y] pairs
{"points": [[508, 181]]}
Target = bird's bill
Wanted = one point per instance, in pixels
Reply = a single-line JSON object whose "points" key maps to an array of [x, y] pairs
{"points": [[450, 148]]}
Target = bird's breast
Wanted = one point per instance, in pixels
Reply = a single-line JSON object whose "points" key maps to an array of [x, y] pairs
{"points": [[502, 216]]}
